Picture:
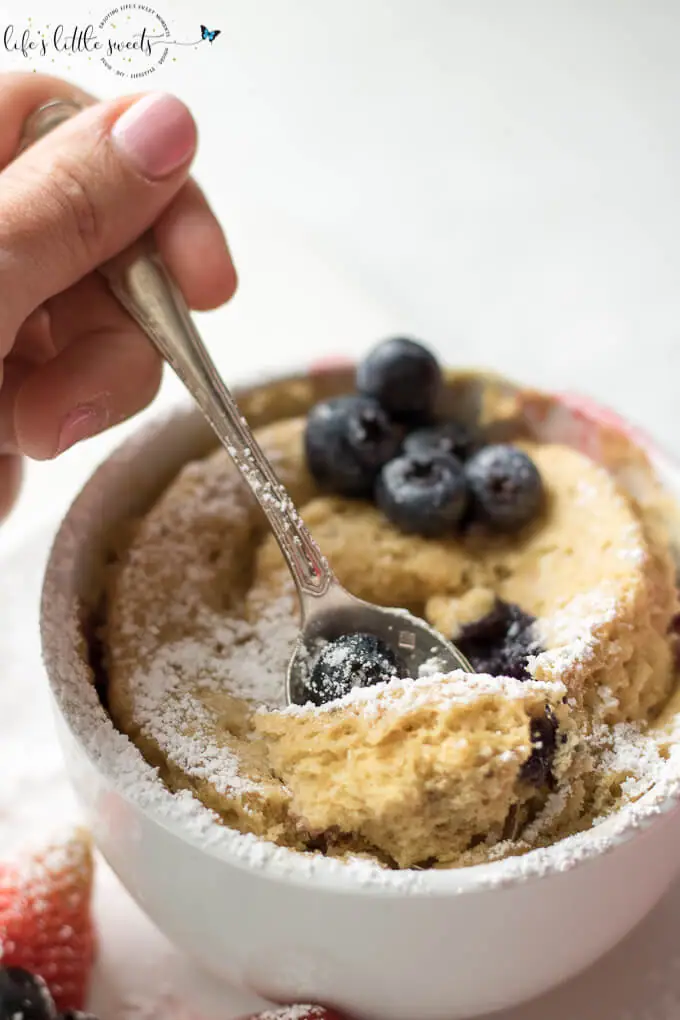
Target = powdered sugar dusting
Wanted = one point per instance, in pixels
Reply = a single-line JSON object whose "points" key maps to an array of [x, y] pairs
{"points": [[432, 691], [431, 667], [585, 493], [632, 756], [114, 755], [239, 661], [571, 633]]}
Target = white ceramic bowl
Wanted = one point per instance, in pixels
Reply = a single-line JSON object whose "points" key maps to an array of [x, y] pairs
{"points": [[379, 945]]}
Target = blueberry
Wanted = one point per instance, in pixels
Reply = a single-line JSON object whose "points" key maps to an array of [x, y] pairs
{"points": [[24, 995], [505, 486], [448, 437], [404, 377], [353, 660], [500, 642], [537, 769], [347, 441], [423, 492]]}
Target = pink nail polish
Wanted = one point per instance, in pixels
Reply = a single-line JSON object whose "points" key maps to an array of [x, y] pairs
{"points": [[155, 135], [81, 423]]}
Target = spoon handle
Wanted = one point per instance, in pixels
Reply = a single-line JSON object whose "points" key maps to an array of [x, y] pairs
{"points": [[142, 284]]}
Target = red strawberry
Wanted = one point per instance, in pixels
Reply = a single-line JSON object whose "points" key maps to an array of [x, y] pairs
{"points": [[45, 920]]}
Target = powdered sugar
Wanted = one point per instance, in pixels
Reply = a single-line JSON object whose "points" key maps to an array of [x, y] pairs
{"points": [[432, 691], [585, 493], [118, 759], [121, 762], [632, 756], [239, 661], [430, 667], [571, 633]]}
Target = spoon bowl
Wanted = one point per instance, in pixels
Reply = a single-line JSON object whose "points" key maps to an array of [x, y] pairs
{"points": [[419, 648]]}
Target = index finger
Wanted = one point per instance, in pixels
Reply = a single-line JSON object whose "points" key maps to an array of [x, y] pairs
{"points": [[20, 94]]}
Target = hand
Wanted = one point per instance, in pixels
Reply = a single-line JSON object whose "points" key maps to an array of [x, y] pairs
{"points": [[72, 363]]}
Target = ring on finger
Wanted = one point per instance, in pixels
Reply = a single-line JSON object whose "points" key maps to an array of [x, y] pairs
{"points": [[46, 117]]}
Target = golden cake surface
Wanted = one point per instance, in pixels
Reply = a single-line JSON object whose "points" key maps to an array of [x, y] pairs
{"points": [[434, 771]]}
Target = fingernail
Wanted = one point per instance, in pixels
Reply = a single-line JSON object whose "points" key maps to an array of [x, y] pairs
{"points": [[155, 135], [80, 424]]}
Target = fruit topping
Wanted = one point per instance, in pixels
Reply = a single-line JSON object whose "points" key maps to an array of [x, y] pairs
{"points": [[423, 492], [384, 444], [505, 487], [500, 642], [537, 769], [347, 441], [448, 437], [24, 995], [404, 377], [45, 922], [353, 660]]}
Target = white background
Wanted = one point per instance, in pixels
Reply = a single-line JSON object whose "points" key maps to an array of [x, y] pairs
{"points": [[500, 177]]}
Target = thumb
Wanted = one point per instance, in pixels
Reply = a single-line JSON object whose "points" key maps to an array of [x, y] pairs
{"points": [[85, 192]]}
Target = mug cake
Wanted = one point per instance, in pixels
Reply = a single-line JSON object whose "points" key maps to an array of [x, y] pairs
{"points": [[455, 496]]}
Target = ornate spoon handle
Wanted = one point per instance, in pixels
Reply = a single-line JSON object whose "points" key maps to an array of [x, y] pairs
{"points": [[142, 284]]}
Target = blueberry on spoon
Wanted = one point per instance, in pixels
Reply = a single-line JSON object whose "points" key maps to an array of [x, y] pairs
{"points": [[353, 660]]}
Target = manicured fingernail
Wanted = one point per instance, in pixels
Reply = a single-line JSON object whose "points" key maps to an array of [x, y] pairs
{"points": [[155, 135], [81, 423]]}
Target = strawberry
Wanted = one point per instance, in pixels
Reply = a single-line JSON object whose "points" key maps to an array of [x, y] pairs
{"points": [[45, 920]]}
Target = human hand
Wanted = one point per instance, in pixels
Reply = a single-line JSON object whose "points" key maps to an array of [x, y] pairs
{"points": [[72, 363]]}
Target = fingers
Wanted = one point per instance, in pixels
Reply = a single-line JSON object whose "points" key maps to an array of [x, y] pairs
{"points": [[110, 371], [85, 192], [195, 250], [188, 235], [14, 375], [68, 203], [104, 374], [34, 342], [20, 95], [10, 483]]}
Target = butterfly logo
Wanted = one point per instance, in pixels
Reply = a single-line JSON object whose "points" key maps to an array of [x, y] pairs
{"points": [[209, 34]]}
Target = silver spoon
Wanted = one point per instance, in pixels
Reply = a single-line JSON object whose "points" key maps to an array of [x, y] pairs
{"points": [[142, 284]]}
